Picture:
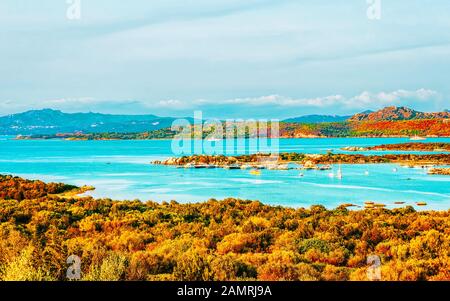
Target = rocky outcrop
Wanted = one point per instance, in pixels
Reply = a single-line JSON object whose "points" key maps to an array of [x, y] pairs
{"points": [[354, 148], [397, 113], [309, 161], [439, 171], [256, 161], [413, 146]]}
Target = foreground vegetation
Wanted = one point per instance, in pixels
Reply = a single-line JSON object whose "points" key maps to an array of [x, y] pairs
{"points": [[216, 240]]}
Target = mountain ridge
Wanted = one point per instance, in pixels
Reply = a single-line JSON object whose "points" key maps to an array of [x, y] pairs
{"points": [[316, 118], [51, 122], [394, 113]]}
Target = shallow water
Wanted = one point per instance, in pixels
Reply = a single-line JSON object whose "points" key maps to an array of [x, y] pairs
{"points": [[121, 170]]}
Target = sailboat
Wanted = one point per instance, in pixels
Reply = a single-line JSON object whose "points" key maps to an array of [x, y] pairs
{"points": [[339, 172], [416, 138]]}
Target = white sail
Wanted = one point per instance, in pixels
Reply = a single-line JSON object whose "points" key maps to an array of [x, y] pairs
{"points": [[339, 173]]}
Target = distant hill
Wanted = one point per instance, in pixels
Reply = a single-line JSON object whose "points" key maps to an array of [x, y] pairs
{"points": [[48, 121], [317, 119], [52, 122], [397, 113]]}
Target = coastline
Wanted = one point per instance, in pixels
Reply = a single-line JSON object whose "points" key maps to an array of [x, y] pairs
{"points": [[267, 161], [83, 193], [356, 179], [245, 138]]}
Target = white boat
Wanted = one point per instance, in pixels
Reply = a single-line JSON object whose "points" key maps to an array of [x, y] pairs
{"points": [[416, 138], [366, 173], [324, 167], [339, 173]]}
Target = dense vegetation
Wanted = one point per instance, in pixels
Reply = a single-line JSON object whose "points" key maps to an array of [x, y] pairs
{"points": [[330, 158], [215, 240], [19, 189], [439, 171], [156, 134], [380, 128], [414, 146], [395, 128], [426, 127], [325, 129]]}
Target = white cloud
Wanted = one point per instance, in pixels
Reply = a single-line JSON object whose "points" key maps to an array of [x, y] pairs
{"points": [[398, 97], [279, 100], [364, 100], [393, 98], [267, 105], [62, 101]]}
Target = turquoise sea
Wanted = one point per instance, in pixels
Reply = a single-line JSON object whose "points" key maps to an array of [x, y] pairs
{"points": [[122, 170]]}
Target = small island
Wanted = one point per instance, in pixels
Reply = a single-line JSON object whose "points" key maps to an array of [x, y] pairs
{"points": [[439, 171], [413, 146], [309, 161]]}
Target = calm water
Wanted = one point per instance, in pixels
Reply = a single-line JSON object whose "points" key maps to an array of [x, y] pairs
{"points": [[121, 170]]}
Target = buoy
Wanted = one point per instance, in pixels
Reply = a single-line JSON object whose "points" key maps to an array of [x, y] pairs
{"points": [[255, 172]]}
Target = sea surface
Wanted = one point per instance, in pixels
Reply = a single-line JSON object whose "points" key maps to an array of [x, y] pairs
{"points": [[122, 170]]}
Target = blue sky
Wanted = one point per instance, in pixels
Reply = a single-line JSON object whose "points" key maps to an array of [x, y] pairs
{"points": [[229, 58]]}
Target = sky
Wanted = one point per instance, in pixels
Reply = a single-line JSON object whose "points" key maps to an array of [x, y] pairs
{"points": [[228, 58]]}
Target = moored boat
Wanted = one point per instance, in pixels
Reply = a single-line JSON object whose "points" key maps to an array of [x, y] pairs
{"points": [[417, 138], [339, 173], [255, 172], [324, 167]]}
